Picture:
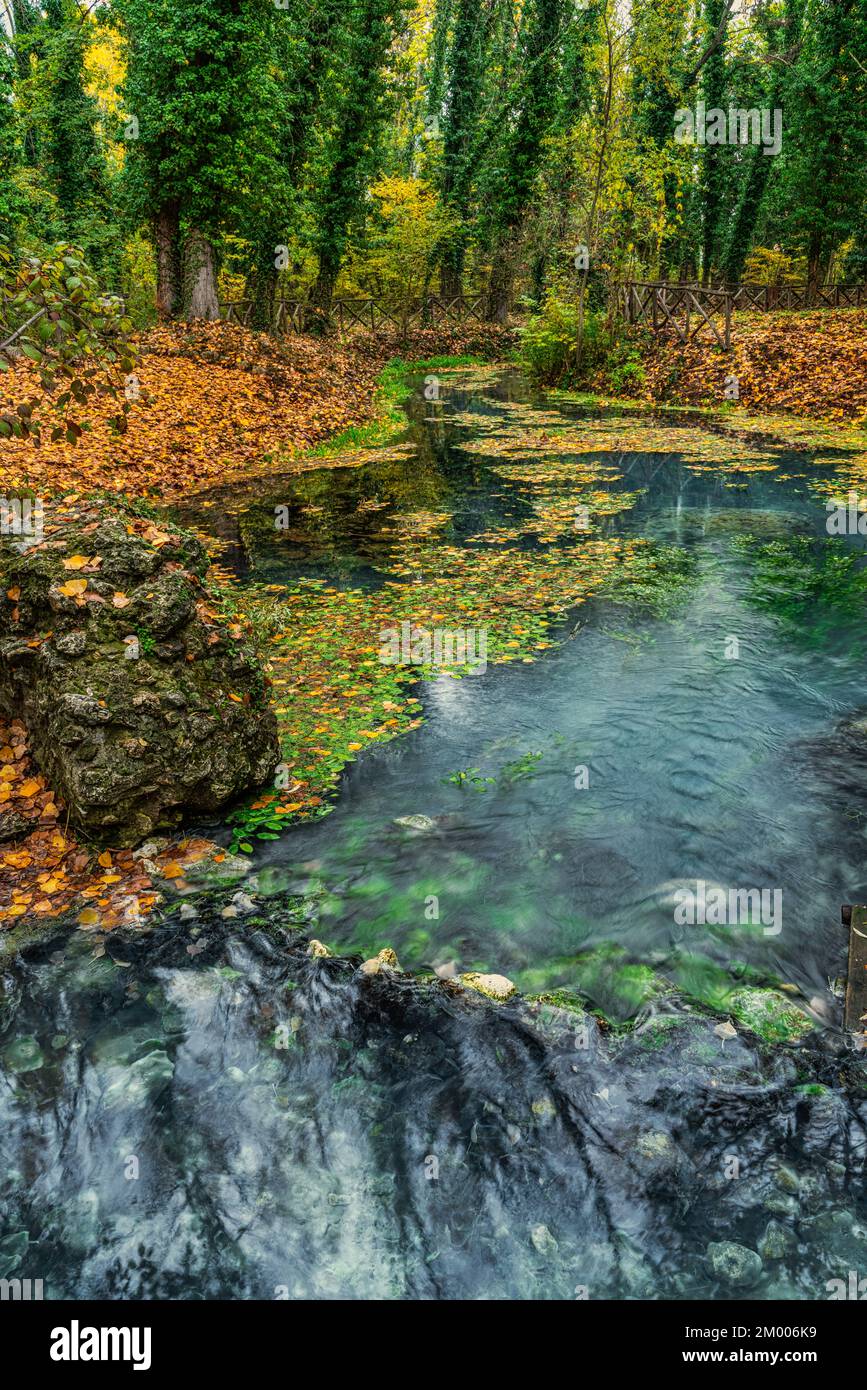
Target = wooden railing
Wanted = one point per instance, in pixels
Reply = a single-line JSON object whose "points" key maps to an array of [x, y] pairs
{"points": [[803, 296], [687, 310], [350, 315], [684, 311]]}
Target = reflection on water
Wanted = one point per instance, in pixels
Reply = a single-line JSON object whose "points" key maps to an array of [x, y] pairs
{"points": [[204, 1114], [700, 765]]}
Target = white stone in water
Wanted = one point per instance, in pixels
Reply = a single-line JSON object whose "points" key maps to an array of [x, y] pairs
{"points": [[149, 849], [448, 971], [420, 823], [317, 950], [543, 1241]]}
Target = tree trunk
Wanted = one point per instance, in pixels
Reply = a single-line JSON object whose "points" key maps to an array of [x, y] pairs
{"points": [[167, 238], [814, 269], [264, 294], [317, 317], [499, 288], [200, 278], [451, 275], [323, 290]]}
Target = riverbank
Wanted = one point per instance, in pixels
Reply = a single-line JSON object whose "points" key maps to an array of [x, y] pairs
{"points": [[811, 365], [320, 643], [213, 401]]}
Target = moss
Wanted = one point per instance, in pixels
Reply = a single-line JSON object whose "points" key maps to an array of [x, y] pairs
{"points": [[771, 1016], [392, 389], [655, 1035], [559, 999], [616, 987]]}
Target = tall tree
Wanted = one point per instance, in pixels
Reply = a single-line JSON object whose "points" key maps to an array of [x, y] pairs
{"points": [[304, 43], [513, 180], [73, 157], [458, 96], [361, 105], [192, 91], [825, 133]]}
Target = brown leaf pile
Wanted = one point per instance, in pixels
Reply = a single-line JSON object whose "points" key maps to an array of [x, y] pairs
{"points": [[215, 399], [45, 870], [812, 364]]}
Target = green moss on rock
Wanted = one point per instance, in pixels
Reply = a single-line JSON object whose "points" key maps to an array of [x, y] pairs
{"points": [[771, 1016], [141, 702]]}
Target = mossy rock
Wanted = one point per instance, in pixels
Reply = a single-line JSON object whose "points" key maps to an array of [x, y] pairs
{"points": [[615, 986], [496, 987], [771, 1016], [142, 704]]}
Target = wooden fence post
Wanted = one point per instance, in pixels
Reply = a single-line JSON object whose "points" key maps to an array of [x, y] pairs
{"points": [[855, 917]]}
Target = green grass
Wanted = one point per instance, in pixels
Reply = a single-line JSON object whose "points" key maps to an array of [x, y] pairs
{"points": [[392, 389]]}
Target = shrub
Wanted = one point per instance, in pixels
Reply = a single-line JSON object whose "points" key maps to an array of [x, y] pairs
{"points": [[550, 343]]}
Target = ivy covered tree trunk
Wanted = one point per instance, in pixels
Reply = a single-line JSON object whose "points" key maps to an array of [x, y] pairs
{"points": [[200, 278], [359, 120], [713, 155], [515, 178], [305, 41], [72, 155], [500, 288], [467, 63], [167, 233], [322, 293]]}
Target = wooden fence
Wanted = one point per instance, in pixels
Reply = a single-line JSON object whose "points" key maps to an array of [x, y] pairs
{"points": [[350, 315], [797, 296], [687, 310]]}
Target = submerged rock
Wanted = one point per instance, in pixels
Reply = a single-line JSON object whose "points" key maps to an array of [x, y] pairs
{"points": [[142, 704], [777, 1242], [770, 1015], [23, 1054], [736, 1266], [420, 823], [543, 1241]]}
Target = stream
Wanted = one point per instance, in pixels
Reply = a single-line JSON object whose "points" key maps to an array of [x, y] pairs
{"points": [[205, 1111]]}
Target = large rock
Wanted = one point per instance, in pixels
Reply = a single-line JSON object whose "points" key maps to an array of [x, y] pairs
{"points": [[142, 704]]}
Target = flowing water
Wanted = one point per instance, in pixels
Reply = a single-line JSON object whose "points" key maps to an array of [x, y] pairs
{"points": [[205, 1111]]}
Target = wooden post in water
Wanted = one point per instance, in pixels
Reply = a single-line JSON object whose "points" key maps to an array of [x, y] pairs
{"points": [[855, 918]]}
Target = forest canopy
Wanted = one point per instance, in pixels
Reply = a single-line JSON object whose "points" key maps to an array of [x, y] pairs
{"points": [[198, 151]]}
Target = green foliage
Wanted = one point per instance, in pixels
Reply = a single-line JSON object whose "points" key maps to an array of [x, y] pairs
{"points": [[470, 777], [385, 148], [54, 313], [138, 280], [810, 584], [551, 339]]}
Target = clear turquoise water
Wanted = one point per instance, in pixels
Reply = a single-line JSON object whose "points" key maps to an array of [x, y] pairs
{"points": [[205, 1112]]}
